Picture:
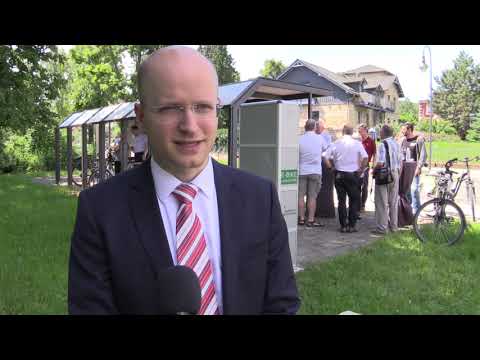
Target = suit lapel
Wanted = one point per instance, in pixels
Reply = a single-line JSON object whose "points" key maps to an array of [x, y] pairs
{"points": [[229, 212], [147, 217]]}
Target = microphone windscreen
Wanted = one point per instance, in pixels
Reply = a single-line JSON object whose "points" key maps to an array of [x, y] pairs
{"points": [[178, 291]]}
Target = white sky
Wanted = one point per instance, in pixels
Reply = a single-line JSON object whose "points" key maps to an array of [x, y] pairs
{"points": [[402, 60]]}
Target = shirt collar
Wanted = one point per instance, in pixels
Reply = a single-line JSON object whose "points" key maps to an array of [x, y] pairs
{"points": [[165, 182]]}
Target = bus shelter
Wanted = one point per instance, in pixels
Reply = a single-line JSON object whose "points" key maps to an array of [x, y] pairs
{"points": [[231, 97]]}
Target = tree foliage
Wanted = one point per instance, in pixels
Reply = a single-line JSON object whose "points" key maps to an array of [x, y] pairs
{"points": [[474, 131], [408, 111], [223, 61], [98, 77], [27, 86], [224, 64], [137, 54], [457, 97], [272, 68]]}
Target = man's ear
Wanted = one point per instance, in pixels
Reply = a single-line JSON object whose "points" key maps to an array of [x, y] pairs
{"points": [[140, 115]]}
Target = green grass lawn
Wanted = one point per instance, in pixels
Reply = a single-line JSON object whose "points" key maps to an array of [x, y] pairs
{"points": [[442, 151], [36, 222], [397, 275]]}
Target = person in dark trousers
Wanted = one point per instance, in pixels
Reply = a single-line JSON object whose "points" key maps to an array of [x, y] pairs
{"points": [[371, 148], [386, 196], [349, 159], [325, 202], [414, 150]]}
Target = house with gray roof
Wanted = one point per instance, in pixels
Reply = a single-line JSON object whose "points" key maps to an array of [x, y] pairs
{"points": [[367, 94]]}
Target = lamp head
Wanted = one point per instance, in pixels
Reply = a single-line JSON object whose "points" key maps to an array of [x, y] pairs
{"points": [[424, 65]]}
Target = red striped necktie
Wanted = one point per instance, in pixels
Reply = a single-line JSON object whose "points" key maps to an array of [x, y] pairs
{"points": [[192, 247]]}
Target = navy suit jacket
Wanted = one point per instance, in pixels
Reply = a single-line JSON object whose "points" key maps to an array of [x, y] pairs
{"points": [[119, 245]]}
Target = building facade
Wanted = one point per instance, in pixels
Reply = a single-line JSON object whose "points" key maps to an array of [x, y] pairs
{"points": [[367, 95]]}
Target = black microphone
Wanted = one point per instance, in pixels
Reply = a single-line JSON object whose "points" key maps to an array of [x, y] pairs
{"points": [[179, 291]]}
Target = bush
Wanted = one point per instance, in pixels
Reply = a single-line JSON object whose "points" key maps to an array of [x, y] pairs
{"points": [[473, 133], [439, 126], [221, 142], [16, 153]]}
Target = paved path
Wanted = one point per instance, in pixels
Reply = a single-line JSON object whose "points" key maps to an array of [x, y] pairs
{"points": [[320, 244]]}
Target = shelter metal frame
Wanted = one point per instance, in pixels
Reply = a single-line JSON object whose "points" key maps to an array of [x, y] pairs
{"points": [[231, 97]]}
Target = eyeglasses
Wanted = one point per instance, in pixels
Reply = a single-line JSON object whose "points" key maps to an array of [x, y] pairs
{"points": [[174, 111]]}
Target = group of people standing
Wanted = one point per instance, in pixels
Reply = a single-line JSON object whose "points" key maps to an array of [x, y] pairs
{"points": [[347, 164]]}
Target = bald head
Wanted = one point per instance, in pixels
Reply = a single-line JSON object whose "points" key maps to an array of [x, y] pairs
{"points": [[348, 130], [320, 126], [165, 61]]}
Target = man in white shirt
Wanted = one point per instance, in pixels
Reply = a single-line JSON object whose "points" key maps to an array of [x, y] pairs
{"points": [[323, 132], [140, 144], [350, 160], [386, 196], [180, 208], [311, 147]]}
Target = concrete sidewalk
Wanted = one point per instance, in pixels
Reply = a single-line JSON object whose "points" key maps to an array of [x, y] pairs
{"points": [[319, 244]]}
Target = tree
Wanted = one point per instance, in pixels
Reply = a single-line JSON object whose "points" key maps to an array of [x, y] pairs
{"points": [[272, 68], [408, 111], [474, 131], [224, 64], [137, 54], [98, 77], [27, 87], [458, 95]]}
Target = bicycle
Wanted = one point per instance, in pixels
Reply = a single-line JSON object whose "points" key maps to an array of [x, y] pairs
{"points": [[94, 177], [441, 219], [93, 170]]}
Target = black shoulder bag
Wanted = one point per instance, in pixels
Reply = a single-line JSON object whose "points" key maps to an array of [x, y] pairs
{"points": [[383, 175]]}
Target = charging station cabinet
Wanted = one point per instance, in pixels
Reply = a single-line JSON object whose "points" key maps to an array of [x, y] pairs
{"points": [[268, 147]]}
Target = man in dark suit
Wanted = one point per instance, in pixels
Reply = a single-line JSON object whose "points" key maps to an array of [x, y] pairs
{"points": [[180, 207]]}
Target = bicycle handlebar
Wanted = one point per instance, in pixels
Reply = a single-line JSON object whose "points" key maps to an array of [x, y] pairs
{"points": [[465, 160], [449, 163]]}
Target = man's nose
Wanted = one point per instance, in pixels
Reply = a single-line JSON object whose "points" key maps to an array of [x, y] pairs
{"points": [[188, 120]]}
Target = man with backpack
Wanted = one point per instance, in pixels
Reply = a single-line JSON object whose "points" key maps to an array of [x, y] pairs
{"points": [[386, 174]]}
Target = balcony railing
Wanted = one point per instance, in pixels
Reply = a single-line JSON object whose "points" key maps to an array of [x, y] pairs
{"points": [[387, 104]]}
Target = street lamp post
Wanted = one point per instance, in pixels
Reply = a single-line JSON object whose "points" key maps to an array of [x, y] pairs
{"points": [[424, 68]]}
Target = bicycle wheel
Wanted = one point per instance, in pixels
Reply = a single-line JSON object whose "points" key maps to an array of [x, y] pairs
{"points": [[95, 177], [77, 180], [439, 221]]}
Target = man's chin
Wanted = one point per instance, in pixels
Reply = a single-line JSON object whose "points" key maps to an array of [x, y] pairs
{"points": [[191, 162]]}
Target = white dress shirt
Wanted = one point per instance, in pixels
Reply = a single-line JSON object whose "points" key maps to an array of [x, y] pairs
{"points": [[326, 137], [140, 143], [311, 147], [346, 153], [394, 152], [206, 207]]}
